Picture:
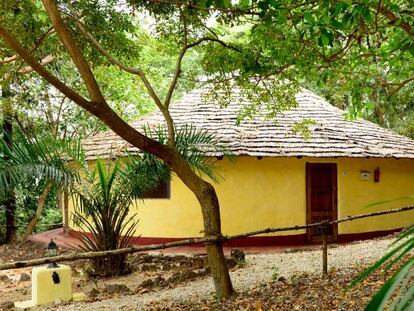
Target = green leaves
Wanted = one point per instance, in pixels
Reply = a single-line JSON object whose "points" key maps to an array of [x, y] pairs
{"points": [[399, 289], [381, 299], [104, 198], [197, 147], [325, 38], [41, 158], [309, 18]]}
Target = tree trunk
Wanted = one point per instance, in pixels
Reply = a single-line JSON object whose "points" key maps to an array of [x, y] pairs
{"points": [[40, 205], [98, 106], [10, 200], [212, 227], [10, 211], [65, 212], [210, 208]]}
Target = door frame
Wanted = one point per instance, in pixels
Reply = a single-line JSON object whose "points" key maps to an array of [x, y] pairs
{"points": [[334, 167]]}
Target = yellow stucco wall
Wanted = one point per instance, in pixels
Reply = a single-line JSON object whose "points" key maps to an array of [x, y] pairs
{"points": [[271, 192]]}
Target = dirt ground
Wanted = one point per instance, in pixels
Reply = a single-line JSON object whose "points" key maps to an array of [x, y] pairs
{"points": [[149, 272], [286, 280]]}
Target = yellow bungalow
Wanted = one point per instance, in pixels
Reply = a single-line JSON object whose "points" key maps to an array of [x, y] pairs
{"points": [[281, 178]]}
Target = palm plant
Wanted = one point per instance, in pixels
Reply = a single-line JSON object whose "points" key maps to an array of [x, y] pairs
{"points": [[199, 148], [106, 193], [103, 199], [398, 292], [41, 161], [43, 157]]}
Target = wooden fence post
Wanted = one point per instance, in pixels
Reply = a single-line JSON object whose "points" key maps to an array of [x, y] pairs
{"points": [[324, 249]]}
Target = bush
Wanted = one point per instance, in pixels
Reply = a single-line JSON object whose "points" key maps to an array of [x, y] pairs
{"points": [[103, 201]]}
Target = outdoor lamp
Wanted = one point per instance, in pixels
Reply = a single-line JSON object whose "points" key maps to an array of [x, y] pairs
{"points": [[52, 250]]}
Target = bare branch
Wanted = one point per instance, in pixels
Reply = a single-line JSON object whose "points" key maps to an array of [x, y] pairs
{"points": [[47, 60], [181, 56], [7, 60], [32, 62], [38, 43]]}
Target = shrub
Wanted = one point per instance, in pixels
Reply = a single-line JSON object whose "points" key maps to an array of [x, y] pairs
{"points": [[104, 198]]}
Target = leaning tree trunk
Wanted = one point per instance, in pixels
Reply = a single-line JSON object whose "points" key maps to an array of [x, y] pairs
{"points": [[210, 208], [98, 106], [10, 200], [41, 201], [212, 227]]}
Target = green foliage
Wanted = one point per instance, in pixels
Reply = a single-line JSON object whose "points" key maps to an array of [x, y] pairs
{"points": [[37, 158], [398, 291], [275, 273], [26, 204], [360, 53], [195, 146], [106, 193], [27, 166], [103, 199], [303, 128]]}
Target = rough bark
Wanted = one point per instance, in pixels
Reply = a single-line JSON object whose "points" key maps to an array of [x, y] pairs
{"points": [[10, 211], [210, 207], [10, 200], [40, 205], [212, 228]]}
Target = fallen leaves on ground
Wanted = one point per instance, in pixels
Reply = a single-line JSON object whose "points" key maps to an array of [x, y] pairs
{"points": [[303, 292]]}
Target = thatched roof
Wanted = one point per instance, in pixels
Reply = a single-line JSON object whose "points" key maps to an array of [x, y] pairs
{"points": [[332, 135]]}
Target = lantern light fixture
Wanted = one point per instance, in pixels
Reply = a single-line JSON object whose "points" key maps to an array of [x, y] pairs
{"points": [[52, 251]]}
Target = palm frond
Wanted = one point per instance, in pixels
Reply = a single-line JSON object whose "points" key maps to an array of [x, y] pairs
{"points": [[38, 158], [398, 292], [197, 147], [381, 299], [103, 200]]}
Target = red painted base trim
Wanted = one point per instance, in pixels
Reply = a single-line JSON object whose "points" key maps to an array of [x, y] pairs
{"points": [[351, 237], [283, 240]]}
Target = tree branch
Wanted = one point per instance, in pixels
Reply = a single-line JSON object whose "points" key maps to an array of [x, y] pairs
{"points": [[234, 10], [398, 85], [32, 62], [38, 43], [74, 52], [135, 71], [100, 109], [116, 62], [7, 60], [47, 60], [395, 20]]}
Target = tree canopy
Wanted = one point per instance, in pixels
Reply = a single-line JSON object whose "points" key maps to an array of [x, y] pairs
{"points": [[94, 52]]}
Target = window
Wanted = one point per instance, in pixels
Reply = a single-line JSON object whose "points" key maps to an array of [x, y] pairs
{"points": [[162, 191]]}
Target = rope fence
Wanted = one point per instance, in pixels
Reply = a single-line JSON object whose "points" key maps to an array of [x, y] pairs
{"points": [[209, 239]]}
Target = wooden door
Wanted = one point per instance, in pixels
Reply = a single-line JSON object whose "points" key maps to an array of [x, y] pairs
{"points": [[321, 198]]}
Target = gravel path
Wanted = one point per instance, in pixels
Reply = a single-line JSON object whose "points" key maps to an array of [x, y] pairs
{"points": [[259, 269]]}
